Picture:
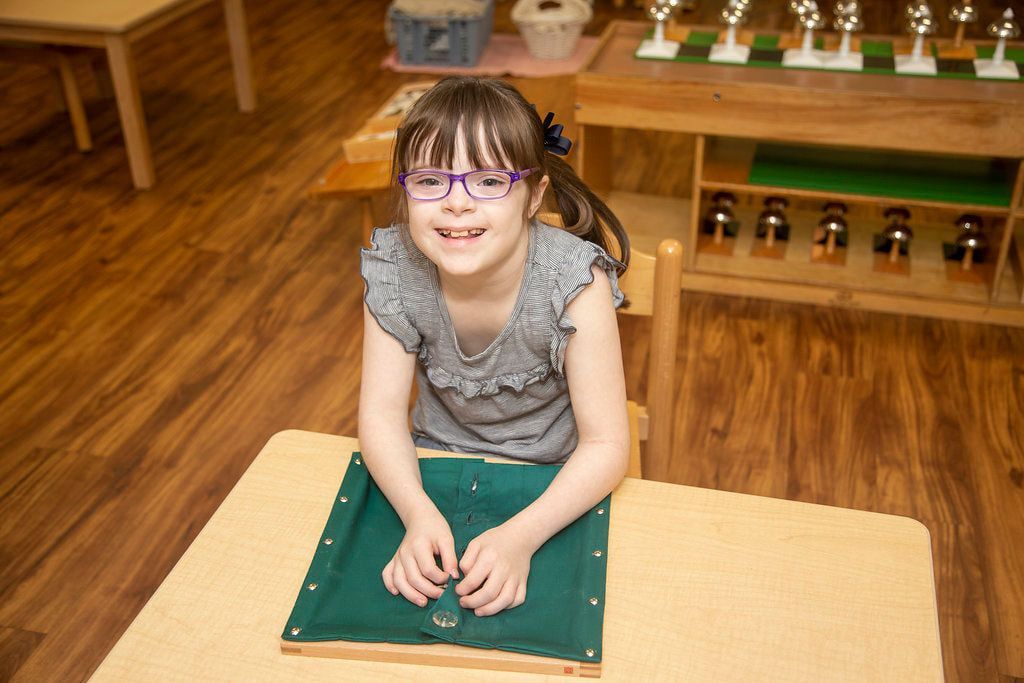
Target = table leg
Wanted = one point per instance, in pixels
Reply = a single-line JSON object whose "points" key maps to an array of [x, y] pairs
{"points": [[129, 104], [238, 38], [73, 100]]}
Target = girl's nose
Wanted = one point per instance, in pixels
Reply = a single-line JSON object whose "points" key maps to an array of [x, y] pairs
{"points": [[458, 200]]}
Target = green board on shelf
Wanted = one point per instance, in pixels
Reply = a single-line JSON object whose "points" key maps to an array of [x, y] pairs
{"points": [[900, 176]]}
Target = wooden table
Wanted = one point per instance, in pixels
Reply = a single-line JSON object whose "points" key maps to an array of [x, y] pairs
{"points": [[360, 180], [114, 25], [702, 585]]}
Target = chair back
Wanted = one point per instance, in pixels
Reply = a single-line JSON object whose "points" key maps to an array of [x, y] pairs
{"points": [[652, 287]]}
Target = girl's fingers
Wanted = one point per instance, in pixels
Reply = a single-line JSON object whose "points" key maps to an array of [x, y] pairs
{"points": [[406, 589], [486, 593], [469, 557], [388, 576], [504, 599], [416, 579], [449, 563], [472, 580], [424, 555], [520, 595]]}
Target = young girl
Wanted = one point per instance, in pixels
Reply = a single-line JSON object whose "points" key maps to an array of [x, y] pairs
{"points": [[508, 325]]}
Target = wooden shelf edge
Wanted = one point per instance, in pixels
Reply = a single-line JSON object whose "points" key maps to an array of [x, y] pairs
{"points": [[1016, 259], [986, 209], [841, 297], [864, 287]]}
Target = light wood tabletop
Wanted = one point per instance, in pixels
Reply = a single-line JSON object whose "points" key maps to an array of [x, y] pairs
{"points": [[702, 585], [112, 16], [113, 25]]}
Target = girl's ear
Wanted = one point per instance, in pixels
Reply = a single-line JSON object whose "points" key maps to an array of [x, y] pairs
{"points": [[537, 198]]}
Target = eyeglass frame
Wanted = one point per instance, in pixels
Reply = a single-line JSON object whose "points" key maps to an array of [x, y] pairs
{"points": [[514, 176]]}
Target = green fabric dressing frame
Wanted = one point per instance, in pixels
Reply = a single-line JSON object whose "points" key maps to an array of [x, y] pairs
{"points": [[343, 596]]}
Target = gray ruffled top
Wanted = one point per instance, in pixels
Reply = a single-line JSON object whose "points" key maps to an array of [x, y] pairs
{"points": [[512, 398]]}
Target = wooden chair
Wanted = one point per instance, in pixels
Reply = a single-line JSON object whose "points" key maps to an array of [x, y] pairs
{"points": [[652, 286]]}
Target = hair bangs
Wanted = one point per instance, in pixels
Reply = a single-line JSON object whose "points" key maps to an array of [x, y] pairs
{"points": [[493, 132]]}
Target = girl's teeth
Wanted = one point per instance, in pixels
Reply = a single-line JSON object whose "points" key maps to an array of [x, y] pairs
{"points": [[464, 233]]}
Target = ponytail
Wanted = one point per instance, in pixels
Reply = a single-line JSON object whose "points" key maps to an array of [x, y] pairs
{"points": [[583, 213]]}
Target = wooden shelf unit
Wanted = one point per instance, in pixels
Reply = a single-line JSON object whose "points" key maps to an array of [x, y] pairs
{"points": [[721, 107]]}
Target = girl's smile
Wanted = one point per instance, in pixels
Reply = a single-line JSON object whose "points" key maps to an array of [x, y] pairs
{"points": [[461, 234]]}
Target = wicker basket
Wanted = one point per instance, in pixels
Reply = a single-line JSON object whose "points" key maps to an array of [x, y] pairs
{"points": [[551, 28]]}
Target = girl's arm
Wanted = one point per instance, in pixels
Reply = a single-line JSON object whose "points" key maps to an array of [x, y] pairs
{"points": [[496, 563], [390, 456]]}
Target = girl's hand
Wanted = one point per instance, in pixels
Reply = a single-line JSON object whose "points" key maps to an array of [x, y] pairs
{"points": [[496, 564], [413, 571]]}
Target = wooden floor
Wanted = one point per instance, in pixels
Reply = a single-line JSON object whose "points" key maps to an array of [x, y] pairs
{"points": [[151, 342]]}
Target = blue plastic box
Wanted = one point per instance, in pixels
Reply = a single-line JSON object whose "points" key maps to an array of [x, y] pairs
{"points": [[448, 41]]}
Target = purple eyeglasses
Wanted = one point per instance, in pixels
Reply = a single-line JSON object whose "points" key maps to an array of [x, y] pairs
{"points": [[488, 183]]}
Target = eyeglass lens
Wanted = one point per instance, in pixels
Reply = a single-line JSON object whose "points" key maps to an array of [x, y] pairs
{"points": [[479, 184]]}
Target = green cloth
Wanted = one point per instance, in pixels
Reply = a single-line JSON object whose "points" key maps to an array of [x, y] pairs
{"points": [[1013, 54], [900, 176], [874, 48], [702, 38], [350, 602]]}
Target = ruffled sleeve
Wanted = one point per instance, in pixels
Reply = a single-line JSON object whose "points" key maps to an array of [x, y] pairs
{"points": [[573, 277], [379, 268]]}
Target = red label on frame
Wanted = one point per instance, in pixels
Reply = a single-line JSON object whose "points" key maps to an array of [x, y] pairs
{"points": [[567, 670]]}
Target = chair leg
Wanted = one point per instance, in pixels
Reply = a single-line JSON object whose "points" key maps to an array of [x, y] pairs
{"points": [[661, 373], [73, 100]]}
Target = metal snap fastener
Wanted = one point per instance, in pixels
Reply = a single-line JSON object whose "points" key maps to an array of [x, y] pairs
{"points": [[600, 511], [358, 461], [312, 586], [593, 601], [590, 652], [295, 631], [343, 499], [597, 553], [444, 618], [328, 541]]}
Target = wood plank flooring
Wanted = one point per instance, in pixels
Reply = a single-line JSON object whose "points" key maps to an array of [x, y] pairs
{"points": [[151, 342]]}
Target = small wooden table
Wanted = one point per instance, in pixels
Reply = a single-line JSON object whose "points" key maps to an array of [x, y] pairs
{"points": [[114, 25], [702, 585], [361, 180]]}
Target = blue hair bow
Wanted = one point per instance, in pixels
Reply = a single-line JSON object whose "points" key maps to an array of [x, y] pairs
{"points": [[554, 141]]}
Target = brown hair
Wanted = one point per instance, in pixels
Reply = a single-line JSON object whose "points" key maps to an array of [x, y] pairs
{"points": [[513, 135]]}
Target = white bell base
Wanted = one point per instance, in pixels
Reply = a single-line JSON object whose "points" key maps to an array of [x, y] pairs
{"points": [[906, 64], [797, 57], [737, 54], [666, 49], [984, 68], [852, 61]]}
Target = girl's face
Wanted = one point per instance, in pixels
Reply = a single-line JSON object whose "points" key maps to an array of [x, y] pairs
{"points": [[467, 237]]}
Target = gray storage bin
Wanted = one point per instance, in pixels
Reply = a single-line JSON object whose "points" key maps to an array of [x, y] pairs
{"points": [[449, 41]]}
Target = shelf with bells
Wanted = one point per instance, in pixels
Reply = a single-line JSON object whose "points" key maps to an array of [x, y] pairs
{"points": [[944, 134], [926, 253]]}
